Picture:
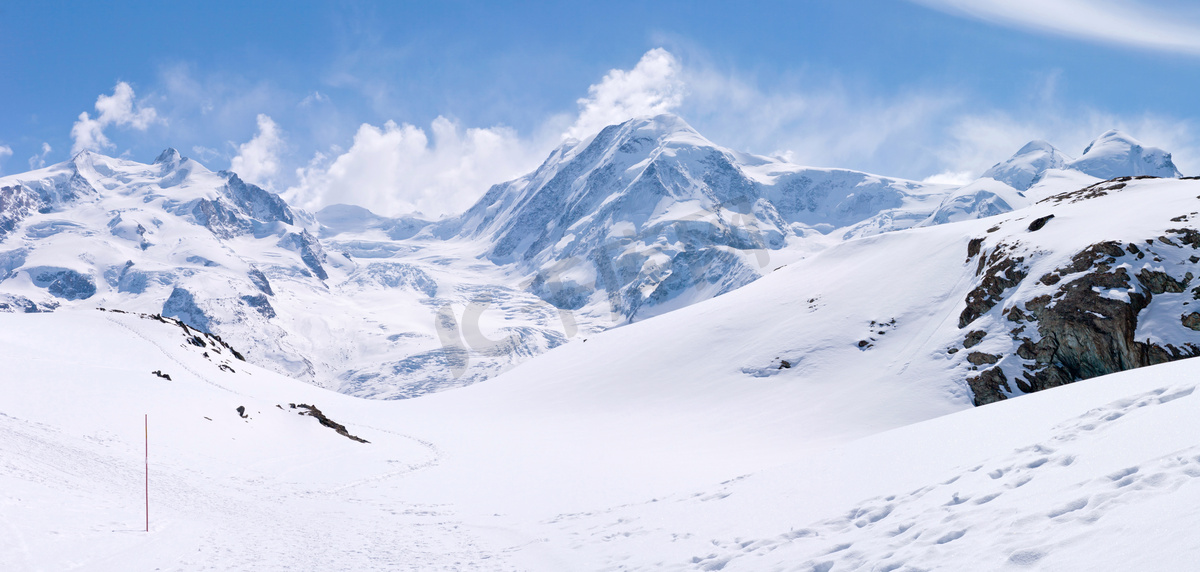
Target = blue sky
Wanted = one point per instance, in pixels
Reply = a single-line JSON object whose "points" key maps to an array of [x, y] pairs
{"points": [[421, 105]]}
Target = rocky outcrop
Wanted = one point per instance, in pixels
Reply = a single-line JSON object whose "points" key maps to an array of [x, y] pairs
{"points": [[312, 411], [1002, 272], [15, 204], [309, 249], [1086, 327], [989, 386]]}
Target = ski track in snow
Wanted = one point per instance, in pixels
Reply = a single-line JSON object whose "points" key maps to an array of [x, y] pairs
{"points": [[171, 357], [996, 511]]}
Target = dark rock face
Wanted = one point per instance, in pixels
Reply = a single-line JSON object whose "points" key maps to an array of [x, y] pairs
{"points": [[980, 358], [1038, 223], [223, 221], [310, 251], [1086, 327], [974, 338], [261, 304], [1002, 273], [1191, 321], [259, 203], [182, 306], [989, 386], [973, 247], [13, 303], [63, 283], [1161, 282], [312, 411], [15, 204], [260, 280]]}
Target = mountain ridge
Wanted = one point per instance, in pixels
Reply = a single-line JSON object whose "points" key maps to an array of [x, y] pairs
{"points": [[646, 217]]}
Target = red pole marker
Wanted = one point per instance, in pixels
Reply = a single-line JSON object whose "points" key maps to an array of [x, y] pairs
{"points": [[147, 420]]}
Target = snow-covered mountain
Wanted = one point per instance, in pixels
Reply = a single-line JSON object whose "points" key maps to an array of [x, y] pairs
{"points": [[1038, 170], [645, 217], [820, 414], [649, 215]]}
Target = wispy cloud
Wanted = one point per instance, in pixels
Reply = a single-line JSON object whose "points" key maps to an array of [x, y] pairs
{"points": [[38, 161], [5, 153], [400, 168], [1129, 22], [652, 87], [257, 160], [937, 134], [119, 109]]}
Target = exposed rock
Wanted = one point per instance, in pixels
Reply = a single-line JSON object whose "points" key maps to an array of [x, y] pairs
{"points": [[974, 338], [1038, 223], [973, 247], [1191, 321], [1159, 282], [1002, 274], [310, 251], [63, 282], [989, 386], [260, 280], [312, 411], [261, 304], [182, 305], [980, 358]]}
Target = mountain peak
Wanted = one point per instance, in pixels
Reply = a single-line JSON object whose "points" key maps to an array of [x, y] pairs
{"points": [[1025, 168], [1037, 145], [1116, 154], [169, 155]]}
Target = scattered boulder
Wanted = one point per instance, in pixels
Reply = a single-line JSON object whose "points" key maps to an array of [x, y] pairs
{"points": [[1160, 282], [1191, 321], [974, 338], [980, 358], [973, 247], [989, 386], [1038, 223]]}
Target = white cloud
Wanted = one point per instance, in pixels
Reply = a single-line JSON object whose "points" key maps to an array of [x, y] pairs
{"points": [[38, 161], [205, 154], [119, 109], [940, 135], [652, 87], [1128, 22], [818, 121], [399, 168], [257, 160], [958, 178], [314, 97]]}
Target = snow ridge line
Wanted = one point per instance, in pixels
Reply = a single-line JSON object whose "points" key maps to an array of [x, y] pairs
{"points": [[173, 358], [411, 468]]}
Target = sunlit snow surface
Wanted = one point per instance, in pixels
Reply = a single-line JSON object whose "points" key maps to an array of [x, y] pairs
{"points": [[677, 442], [552, 471]]}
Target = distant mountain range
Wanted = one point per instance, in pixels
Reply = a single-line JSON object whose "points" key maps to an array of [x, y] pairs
{"points": [[641, 219]]}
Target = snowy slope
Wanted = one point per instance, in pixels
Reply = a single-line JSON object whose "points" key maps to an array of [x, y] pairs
{"points": [[542, 471]]}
